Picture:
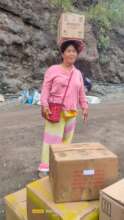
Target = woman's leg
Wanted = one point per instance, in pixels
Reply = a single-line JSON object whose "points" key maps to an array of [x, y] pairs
{"points": [[69, 129], [53, 134]]}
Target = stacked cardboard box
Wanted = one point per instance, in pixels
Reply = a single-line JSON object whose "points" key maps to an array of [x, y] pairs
{"points": [[38, 204], [16, 207], [112, 202], [41, 205], [89, 167], [79, 171], [70, 26]]}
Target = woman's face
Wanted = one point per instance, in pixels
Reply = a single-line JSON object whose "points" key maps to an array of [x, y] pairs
{"points": [[70, 55]]}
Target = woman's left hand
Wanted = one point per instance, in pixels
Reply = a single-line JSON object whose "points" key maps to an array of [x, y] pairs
{"points": [[85, 114]]}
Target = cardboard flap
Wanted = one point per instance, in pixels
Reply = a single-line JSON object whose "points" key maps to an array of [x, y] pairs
{"points": [[83, 151], [87, 212], [77, 146]]}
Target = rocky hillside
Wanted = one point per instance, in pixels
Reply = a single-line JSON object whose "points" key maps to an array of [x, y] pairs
{"points": [[28, 46]]}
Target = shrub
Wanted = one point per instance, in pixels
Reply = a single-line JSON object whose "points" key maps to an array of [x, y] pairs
{"points": [[64, 4]]}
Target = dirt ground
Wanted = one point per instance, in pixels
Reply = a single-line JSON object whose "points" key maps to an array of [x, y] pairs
{"points": [[20, 141]]}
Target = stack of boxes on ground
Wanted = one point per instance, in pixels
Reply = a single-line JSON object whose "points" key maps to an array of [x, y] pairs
{"points": [[78, 173]]}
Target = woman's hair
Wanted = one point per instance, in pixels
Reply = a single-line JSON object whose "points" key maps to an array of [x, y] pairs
{"points": [[68, 43]]}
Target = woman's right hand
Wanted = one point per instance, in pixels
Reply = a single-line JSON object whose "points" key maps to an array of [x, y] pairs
{"points": [[45, 110]]}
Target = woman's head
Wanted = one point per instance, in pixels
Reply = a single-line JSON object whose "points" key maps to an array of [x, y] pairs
{"points": [[70, 50]]}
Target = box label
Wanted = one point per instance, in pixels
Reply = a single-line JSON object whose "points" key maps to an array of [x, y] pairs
{"points": [[89, 172], [106, 207]]}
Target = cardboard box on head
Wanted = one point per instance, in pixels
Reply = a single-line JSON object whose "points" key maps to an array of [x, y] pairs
{"points": [[112, 202], [79, 171], [70, 26]]}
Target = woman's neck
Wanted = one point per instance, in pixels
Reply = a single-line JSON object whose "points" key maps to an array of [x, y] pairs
{"points": [[67, 65]]}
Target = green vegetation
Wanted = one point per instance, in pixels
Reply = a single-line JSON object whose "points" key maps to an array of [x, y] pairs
{"points": [[64, 4], [107, 13], [104, 16]]}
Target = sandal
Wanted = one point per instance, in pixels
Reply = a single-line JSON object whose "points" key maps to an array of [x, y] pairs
{"points": [[43, 170]]}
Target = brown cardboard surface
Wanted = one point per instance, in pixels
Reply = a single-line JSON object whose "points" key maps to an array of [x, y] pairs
{"points": [[81, 151], [71, 25], [79, 171], [112, 202], [15, 205], [42, 207], [116, 191]]}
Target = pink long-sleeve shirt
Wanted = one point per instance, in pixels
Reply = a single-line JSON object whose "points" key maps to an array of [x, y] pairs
{"points": [[54, 86]]}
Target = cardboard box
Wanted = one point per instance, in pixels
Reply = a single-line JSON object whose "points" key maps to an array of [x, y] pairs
{"points": [[70, 26], [42, 207], [112, 202], [15, 205], [79, 171]]}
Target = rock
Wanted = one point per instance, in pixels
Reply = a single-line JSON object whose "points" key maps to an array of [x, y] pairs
{"points": [[121, 76], [5, 164], [2, 98], [34, 12], [89, 55], [8, 38], [119, 30], [23, 48], [11, 24], [90, 52], [40, 39], [13, 85]]}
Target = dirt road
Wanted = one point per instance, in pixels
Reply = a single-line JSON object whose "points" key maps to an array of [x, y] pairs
{"points": [[20, 141]]}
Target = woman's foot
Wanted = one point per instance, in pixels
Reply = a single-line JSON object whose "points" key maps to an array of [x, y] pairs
{"points": [[42, 174], [43, 170]]}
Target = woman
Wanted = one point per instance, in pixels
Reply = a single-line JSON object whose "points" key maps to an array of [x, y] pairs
{"points": [[54, 86]]}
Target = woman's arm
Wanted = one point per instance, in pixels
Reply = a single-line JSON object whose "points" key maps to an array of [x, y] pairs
{"points": [[46, 86], [83, 100], [82, 96]]}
